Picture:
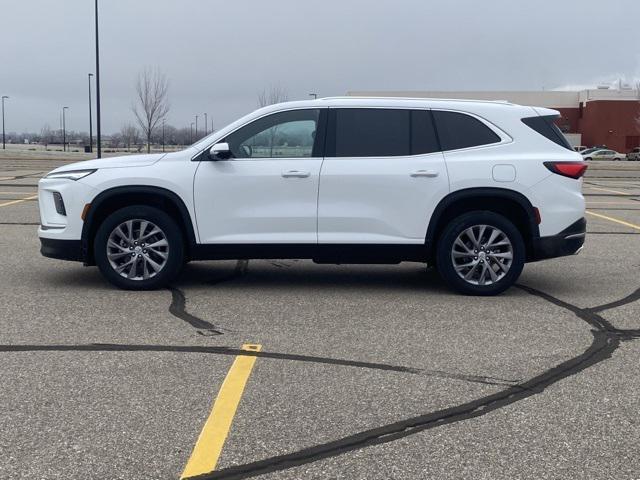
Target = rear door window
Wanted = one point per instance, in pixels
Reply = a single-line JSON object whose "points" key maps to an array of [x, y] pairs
{"points": [[371, 132], [423, 134], [381, 132], [458, 130]]}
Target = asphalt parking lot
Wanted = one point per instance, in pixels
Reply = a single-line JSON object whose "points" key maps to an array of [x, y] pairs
{"points": [[363, 371]]}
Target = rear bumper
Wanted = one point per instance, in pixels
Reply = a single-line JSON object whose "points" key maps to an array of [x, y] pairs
{"points": [[567, 242], [62, 249]]}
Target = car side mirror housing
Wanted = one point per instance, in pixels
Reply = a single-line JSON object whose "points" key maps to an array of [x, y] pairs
{"points": [[220, 151]]}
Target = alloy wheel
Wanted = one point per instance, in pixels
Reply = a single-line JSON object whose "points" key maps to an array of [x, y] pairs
{"points": [[482, 254], [137, 249]]}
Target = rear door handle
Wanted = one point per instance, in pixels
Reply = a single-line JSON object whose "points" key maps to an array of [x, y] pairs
{"points": [[424, 173], [295, 174]]}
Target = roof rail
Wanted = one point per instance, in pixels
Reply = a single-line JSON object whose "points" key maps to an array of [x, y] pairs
{"points": [[429, 99]]}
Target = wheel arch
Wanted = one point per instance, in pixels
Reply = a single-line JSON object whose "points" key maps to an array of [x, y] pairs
{"points": [[513, 205], [110, 200]]}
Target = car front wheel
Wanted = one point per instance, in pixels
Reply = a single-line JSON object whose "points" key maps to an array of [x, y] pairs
{"points": [[139, 248], [480, 253]]}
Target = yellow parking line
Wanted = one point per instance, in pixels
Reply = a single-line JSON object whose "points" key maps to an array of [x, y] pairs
{"points": [[615, 220], [626, 194], [13, 202], [206, 452]]}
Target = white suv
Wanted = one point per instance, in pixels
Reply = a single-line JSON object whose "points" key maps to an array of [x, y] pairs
{"points": [[475, 188]]}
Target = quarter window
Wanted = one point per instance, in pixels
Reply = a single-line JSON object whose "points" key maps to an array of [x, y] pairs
{"points": [[458, 130], [545, 126], [288, 134]]}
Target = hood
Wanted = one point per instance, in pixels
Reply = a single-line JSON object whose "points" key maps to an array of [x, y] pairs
{"points": [[113, 162]]}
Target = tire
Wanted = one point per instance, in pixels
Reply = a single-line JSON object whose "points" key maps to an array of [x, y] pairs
{"points": [[157, 263], [456, 245], [588, 159]]}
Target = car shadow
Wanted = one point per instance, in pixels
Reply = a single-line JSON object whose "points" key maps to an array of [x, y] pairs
{"points": [[305, 275]]}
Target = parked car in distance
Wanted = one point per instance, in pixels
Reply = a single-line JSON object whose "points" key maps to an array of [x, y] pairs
{"points": [[579, 148], [475, 188], [604, 154], [634, 154], [591, 150]]}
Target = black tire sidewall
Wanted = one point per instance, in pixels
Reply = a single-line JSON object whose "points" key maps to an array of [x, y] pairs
{"points": [[451, 232], [162, 220]]}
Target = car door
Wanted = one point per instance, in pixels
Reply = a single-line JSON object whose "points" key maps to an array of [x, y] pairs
{"points": [[267, 192], [382, 176]]}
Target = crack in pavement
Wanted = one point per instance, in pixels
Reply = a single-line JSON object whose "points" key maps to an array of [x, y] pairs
{"points": [[632, 297], [178, 306], [221, 350], [21, 185], [19, 223], [114, 347], [606, 339]]}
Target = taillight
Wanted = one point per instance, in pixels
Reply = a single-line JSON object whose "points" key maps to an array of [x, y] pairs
{"points": [[567, 169]]}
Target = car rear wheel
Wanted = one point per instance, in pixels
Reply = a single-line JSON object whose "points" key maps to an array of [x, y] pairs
{"points": [[139, 248], [480, 253], [588, 159]]}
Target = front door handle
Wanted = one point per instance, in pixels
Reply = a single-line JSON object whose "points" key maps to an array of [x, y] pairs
{"points": [[424, 173], [295, 174]]}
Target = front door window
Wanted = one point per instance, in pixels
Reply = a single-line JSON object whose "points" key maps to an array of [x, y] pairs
{"points": [[288, 134]]}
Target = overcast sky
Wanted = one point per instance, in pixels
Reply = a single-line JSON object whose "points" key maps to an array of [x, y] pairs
{"points": [[218, 55]]}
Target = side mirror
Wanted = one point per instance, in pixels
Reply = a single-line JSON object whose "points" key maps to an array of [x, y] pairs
{"points": [[220, 151]]}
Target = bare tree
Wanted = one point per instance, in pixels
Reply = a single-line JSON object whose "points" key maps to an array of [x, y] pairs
{"points": [[129, 135], [152, 104], [274, 94], [46, 135]]}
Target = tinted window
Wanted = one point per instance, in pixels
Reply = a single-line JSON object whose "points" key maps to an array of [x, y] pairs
{"points": [[545, 127], [370, 132], [457, 130], [281, 135], [423, 135]]}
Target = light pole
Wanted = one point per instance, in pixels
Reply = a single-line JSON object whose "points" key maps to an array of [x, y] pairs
{"points": [[163, 135], [196, 137], [191, 133], [205, 124], [98, 142], [3, 144], [90, 120], [314, 95], [64, 130]]}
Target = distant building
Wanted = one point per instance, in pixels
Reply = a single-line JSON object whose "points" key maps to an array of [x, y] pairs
{"points": [[600, 116]]}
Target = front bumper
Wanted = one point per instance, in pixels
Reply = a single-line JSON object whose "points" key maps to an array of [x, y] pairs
{"points": [[62, 249], [567, 242]]}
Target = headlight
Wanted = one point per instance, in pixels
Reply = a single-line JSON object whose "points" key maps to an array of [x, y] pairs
{"points": [[71, 174]]}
